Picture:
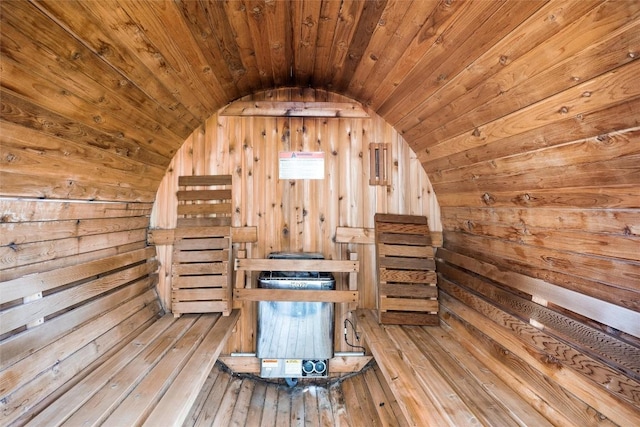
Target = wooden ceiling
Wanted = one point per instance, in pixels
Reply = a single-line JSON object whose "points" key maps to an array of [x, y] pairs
{"points": [[107, 91]]}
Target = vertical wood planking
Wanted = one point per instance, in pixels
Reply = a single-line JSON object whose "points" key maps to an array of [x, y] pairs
{"points": [[294, 215]]}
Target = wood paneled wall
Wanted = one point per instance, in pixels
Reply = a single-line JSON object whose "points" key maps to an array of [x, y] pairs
{"points": [[76, 280], [299, 215], [42, 235], [538, 184]]}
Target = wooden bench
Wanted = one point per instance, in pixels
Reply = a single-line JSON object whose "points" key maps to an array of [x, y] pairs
{"points": [[153, 380], [90, 343], [437, 382]]}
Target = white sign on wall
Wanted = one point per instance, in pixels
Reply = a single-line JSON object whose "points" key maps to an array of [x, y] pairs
{"points": [[301, 165]]}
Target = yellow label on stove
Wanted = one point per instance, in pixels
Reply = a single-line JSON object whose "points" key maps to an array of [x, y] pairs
{"points": [[292, 366]]}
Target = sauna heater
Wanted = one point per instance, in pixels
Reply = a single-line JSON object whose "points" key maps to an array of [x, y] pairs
{"points": [[295, 339]]}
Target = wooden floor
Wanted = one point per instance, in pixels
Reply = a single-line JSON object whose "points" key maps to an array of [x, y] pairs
{"points": [[242, 400], [436, 381]]}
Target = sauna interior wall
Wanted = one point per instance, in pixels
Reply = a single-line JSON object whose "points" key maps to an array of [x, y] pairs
{"points": [[299, 215]]}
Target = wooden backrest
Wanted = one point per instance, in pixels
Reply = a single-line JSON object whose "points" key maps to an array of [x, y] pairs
{"points": [[201, 262], [204, 200], [57, 324], [407, 291]]}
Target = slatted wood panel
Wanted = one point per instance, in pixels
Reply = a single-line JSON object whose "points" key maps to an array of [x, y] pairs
{"points": [[407, 291], [50, 340], [201, 271]]}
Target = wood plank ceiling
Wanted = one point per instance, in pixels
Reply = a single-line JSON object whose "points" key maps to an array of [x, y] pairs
{"points": [[109, 90]]}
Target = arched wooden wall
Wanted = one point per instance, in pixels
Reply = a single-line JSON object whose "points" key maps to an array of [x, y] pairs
{"points": [[299, 215]]}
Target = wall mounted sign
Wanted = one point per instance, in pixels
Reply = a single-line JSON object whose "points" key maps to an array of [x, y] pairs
{"points": [[301, 165]]}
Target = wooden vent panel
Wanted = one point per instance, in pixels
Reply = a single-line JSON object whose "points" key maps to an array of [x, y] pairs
{"points": [[201, 269], [407, 281]]}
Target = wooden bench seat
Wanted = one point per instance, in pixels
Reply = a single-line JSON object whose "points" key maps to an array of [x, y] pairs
{"points": [[153, 380], [437, 382]]}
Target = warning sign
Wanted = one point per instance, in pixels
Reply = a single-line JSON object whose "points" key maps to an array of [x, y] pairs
{"points": [[301, 165]]}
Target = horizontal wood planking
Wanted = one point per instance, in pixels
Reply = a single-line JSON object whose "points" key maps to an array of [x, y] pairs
{"points": [[46, 281], [165, 237], [24, 370], [608, 119], [620, 222], [145, 366], [614, 352], [622, 245], [456, 383], [21, 315], [38, 252], [554, 403], [205, 209], [22, 118], [53, 382], [191, 379], [203, 195], [413, 400], [19, 346], [436, 56], [366, 236], [582, 162], [116, 100], [26, 149], [612, 88], [537, 261], [557, 58], [145, 395], [30, 232], [205, 181], [81, 280], [57, 234], [569, 354], [33, 210]]}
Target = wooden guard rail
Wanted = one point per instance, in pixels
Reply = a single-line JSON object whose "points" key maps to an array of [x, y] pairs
{"points": [[352, 267]]}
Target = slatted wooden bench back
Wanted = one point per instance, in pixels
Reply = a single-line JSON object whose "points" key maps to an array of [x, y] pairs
{"points": [[56, 325], [407, 290], [201, 270]]}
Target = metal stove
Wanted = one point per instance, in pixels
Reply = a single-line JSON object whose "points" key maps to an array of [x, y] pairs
{"points": [[295, 339]]}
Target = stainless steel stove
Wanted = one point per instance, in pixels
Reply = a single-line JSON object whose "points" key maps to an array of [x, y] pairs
{"points": [[295, 339]]}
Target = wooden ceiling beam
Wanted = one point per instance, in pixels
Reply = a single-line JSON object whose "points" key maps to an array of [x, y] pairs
{"points": [[295, 109]]}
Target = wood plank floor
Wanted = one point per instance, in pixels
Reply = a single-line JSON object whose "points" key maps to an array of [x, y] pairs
{"points": [[242, 400], [452, 388]]}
